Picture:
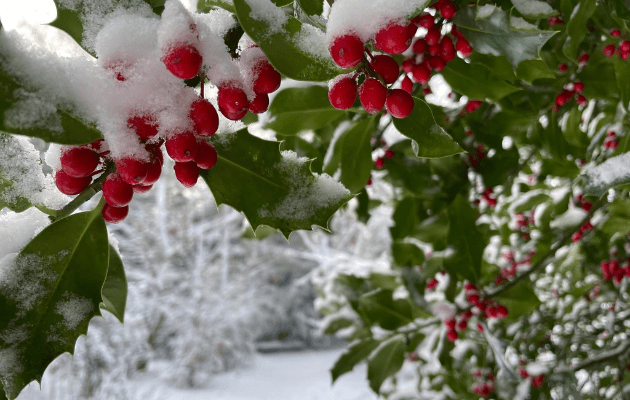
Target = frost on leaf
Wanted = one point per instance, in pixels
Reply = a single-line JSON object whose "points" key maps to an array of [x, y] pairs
{"points": [[612, 172]]}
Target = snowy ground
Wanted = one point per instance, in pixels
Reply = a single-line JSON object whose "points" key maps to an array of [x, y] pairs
{"points": [[278, 376]]}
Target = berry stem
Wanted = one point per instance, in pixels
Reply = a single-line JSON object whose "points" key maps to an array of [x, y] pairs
{"points": [[84, 196]]}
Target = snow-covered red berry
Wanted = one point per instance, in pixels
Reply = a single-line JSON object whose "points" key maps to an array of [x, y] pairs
{"points": [[393, 39], [267, 78], [347, 51], [183, 60], [463, 47], [145, 125]]}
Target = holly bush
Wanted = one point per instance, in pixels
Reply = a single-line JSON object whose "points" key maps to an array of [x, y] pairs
{"points": [[510, 237]]}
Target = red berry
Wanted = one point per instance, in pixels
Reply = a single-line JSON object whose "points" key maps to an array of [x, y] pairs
{"points": [[347, 51], [141, 188], [625, 46], [557, 20], [144, 125], [447, 49], [408, 64], [343, 93], [186, 173], [393, 39], [466, 315], [447, 9], [267, 78], [523, 373], [206, 156], [437, 63], [470, 286], [119, 68], [131, 170], [473, 105], [182, 147], [578, 86], [406, 84], [609, 50], [455, 32], [537, 381], [581, 100], [583, 58], [419, 46], [183, 60], [69, 185], [473, 298], [451, 335], [434, 50], [260, 104], [386, 67], [615, 33], [463, 47], [462, 325], [450, 323], [117, 193], [501, 311], [389, 153], [154, 170], [433, 36], [380, 163], [372, 94], [205, 117], [563, 97], [233, 102], [113, 214], [399, 103], [562, 67], [426, 21], [420, 74], [79, 162], [479, 328]]}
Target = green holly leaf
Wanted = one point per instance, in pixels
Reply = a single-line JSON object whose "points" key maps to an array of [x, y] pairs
{"points": [[205, 6], [475, 81], [429, 139], [530, 70], [270, 188], [298, 109], [48, 295], [356, 155], [534, 9], [622, 72], [386, 362], [296, 50], [69, 20], [576, 27], [380, 308], [405, 218], [468, 241], [354, 355], [60, 126], [491, 33], [407, 254], [520, 299], [115, 288], [312, 7]]}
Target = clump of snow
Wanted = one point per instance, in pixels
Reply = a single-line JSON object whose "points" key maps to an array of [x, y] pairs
{"points": [[614, 171], [535, 369], [485, 11], [266, 11], [220, 68], [74, 309], [31, 111], [533, 7], [353, 16], [313, 41], [307, 194], [21, 175], [52, 157], [520, 24], [11, 365], [127, 38], [443, 310], [17, 229], [176, 26]]}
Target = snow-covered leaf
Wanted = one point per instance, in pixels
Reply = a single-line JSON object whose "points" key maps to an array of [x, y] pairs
{"points": [[612, 172], [431, 140], [492, 34], [577, 28], [270, 188], [297, 50], [297, 109], [386, 362], [534, 9], [48, 294], [115, 288], [354, 355]]}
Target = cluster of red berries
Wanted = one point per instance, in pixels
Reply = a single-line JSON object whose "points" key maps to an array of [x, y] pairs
{"points": [[570, 90], [583, 203], [623, 50], [577, 236], [510, 271], [378, 147], [471, 106], [486, 196], [555, 20], [429, 53], [536, 380], [475, 158], [453, 325], [485, 307], [611, 270], [611, 140], [485, 383], [78, 166]]}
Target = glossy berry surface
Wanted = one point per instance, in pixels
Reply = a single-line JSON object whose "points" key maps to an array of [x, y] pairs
{"points": [[69, 185], [144, 125], [447, 9], [186, 173], [233, 102], [406, 84], [117, 192], [433, 36], [131, 170], [447, 49], [205, 117], [609, 50], [154, 170], [421, 74], [343, 93], [206, 156], [426, 21], [182, 147], [386, 67], [260, 104], [419, 46], [393, 39], [114, 215], [182, 60], [372, 95], [399, 103], [79, 162], [347, 51], [463, 47], [267, 78]]}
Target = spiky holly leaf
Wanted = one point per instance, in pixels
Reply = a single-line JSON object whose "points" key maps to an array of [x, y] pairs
{"points": [[386, 362], [489, 32], [296, 50], [115, 288], [269, 187], [48, 294]]}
